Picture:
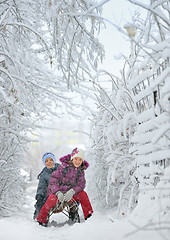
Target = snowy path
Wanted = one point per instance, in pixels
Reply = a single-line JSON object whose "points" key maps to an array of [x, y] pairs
{"points": [[26, 229], [98, 227]]}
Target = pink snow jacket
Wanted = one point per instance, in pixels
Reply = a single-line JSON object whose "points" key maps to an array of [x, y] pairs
{"points": [[64, 179]]}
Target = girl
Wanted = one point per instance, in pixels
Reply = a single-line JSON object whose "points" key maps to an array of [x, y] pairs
{"points": [[67, 183], [44, 177]]}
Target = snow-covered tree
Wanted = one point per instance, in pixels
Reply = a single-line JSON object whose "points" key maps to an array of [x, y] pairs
{"points": [[73, 28], [37, 65], [129, 150]]}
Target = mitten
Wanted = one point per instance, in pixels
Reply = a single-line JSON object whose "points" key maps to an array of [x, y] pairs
{"points": [[68, 195], [60, 196]]}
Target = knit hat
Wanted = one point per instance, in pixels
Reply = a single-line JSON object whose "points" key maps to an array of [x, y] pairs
{"points": [[77, 152], [47, 155]]}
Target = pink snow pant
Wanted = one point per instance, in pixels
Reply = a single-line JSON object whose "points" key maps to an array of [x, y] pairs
{"points": [[52, 200]]}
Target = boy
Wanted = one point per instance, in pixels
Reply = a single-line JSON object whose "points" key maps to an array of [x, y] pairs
{"points": [[44, 177]]}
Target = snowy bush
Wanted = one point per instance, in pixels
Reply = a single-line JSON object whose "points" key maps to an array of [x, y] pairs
{"points": [[152, 78], [114, 184]]}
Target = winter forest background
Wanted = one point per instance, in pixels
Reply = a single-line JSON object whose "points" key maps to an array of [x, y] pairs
{"points": [[52, 81]]}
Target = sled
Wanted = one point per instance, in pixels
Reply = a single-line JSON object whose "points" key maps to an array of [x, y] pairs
{"points": [[69, 209]]}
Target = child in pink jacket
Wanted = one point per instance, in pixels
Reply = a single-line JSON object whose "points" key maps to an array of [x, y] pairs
{"points": [[67, 184]]}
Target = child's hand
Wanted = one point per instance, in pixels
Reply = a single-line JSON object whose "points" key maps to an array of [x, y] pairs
{"points": [[68, 195], [60, 196]]}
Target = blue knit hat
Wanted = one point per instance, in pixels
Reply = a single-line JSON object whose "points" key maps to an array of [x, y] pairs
{"points": [[47, 155]]}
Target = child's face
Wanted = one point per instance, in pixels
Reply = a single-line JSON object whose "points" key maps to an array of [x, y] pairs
{"points": [[77, 161], [49, 162]]}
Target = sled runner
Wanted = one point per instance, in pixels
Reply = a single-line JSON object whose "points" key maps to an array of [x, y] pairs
{"points": [[69, 209]]}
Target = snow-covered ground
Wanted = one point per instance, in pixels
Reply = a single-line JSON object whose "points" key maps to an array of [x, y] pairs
{"points": [[100, 226]]}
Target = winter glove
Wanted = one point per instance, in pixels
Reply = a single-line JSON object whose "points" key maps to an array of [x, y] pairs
{"points": [[60, 196], [68, 195]]}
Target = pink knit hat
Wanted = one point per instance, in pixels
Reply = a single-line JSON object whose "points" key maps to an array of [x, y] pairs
{"points": [[77, 152]]}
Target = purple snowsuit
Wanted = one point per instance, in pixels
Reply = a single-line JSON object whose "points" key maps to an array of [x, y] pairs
{"points": [[59, 183]]}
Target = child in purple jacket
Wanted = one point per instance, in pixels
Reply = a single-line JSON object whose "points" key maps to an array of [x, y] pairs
{"points": [[67, 183]]}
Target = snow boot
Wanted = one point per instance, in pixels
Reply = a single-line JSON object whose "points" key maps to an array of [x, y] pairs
{"points": [[43, 224]]}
